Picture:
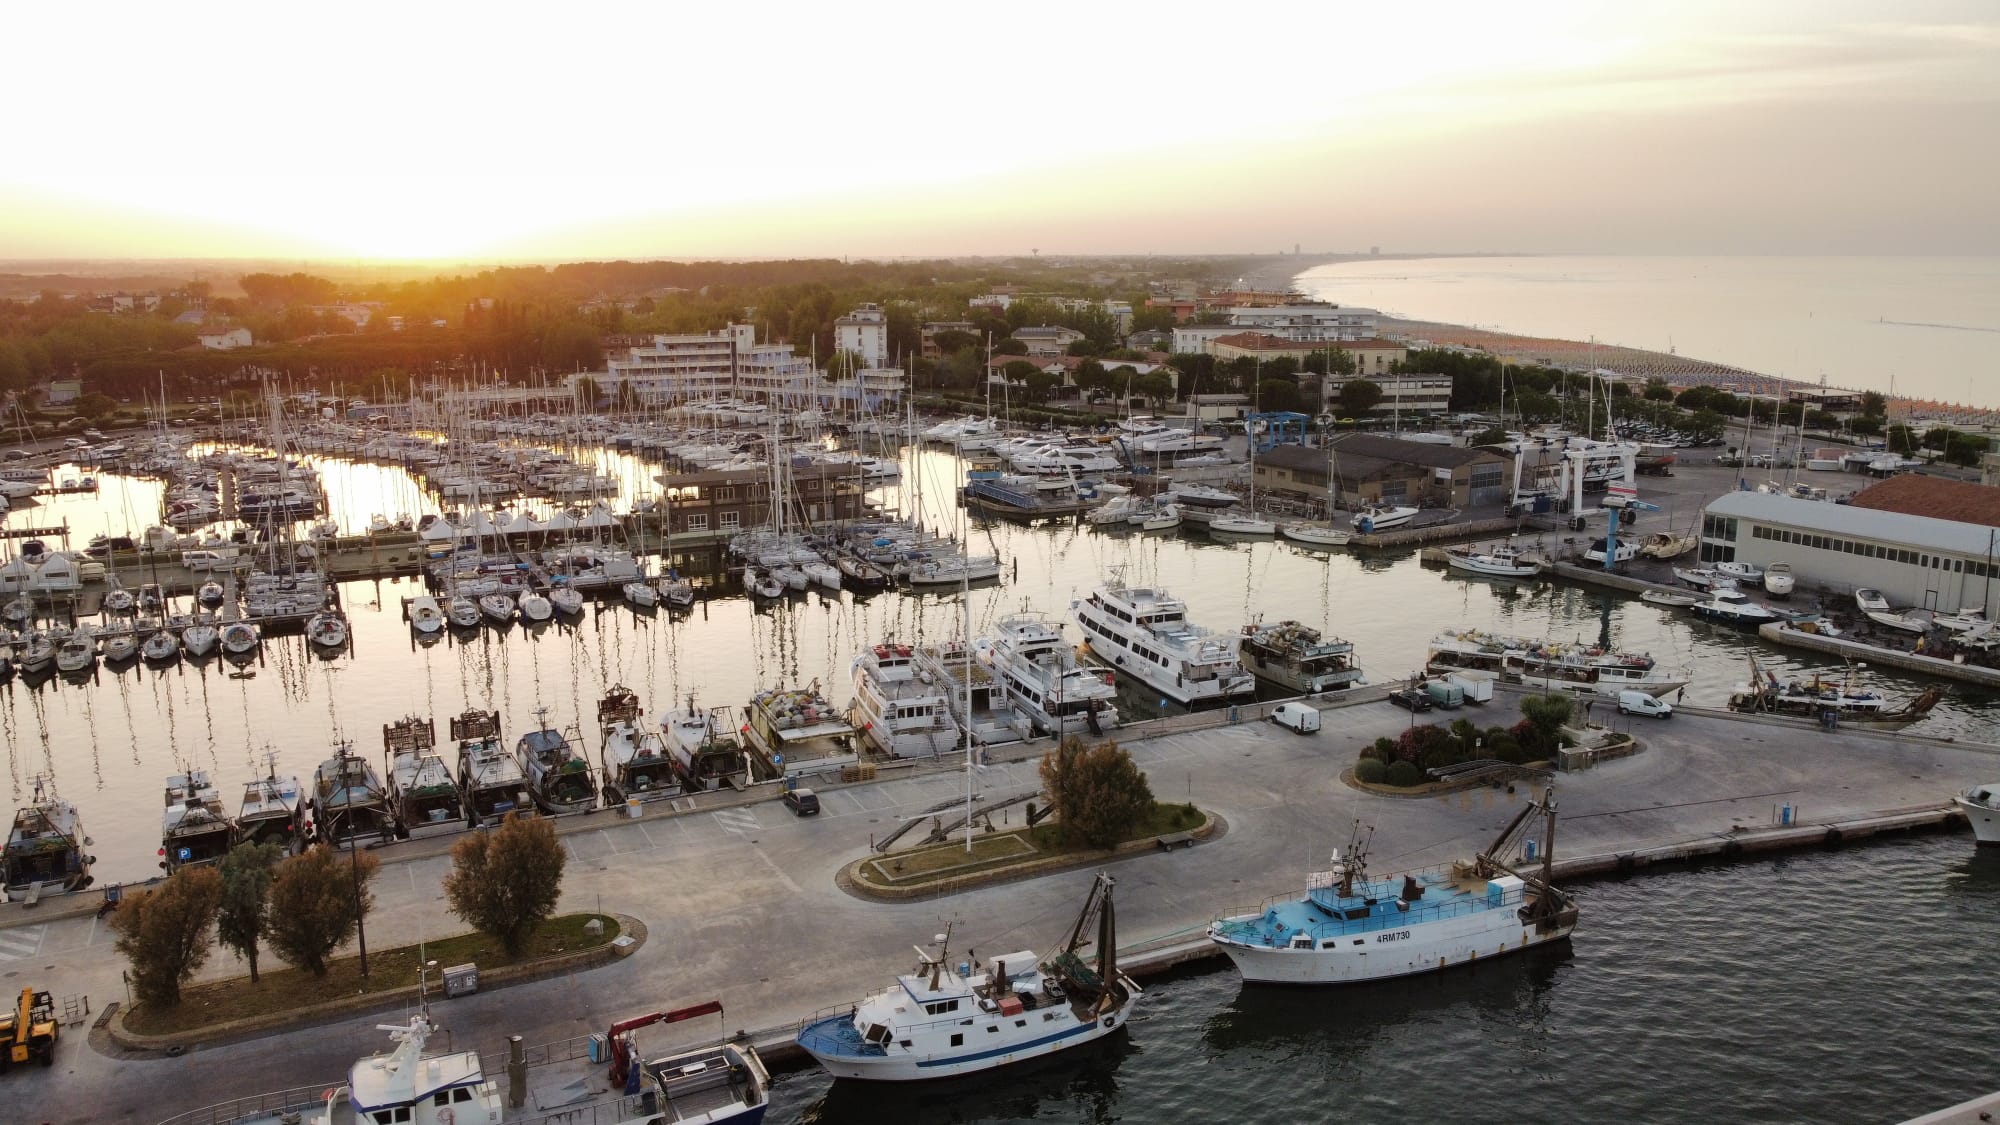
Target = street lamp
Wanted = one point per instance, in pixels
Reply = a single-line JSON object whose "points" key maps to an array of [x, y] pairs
{"points": [[353, 856]]}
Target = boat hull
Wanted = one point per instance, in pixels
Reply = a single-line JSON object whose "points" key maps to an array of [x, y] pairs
{"points": [[1394, 953], [912, 1067], [1985, 822]]}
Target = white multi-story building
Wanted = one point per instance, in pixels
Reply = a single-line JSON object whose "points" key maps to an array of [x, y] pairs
{"points": [[1313, 323], [865, 332], [1401, 394], [714, 365]]}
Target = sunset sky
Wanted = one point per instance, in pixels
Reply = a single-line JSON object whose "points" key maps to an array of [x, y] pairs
{"points": [[591, 130]]}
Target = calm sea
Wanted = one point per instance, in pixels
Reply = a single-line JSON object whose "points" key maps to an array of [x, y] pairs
{"points": [[1849, 987], [111, 741], [1932, 325]]}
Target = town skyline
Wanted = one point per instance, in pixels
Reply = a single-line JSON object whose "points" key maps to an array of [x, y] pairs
{"points": [[1554, 128]]}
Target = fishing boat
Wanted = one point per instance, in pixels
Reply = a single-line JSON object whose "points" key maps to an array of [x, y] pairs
{"points": [[269, 811], [1732, 606], [1669, 598], [705, 748], [943, 1019], [1381, 517], [635, 760], [1298, 657], [1814, 699], [497, 607], [491, 784], [45, 848], [349, 801], [194, 829], [1778, 580], [901, 710], [1981, 806], [793, 731], [1144, 632], [559, 777], [76, 650], [240, 638], [1044, 681], [425, 616], [1499, 562], [1575, 667], [327, 629], [534, 607], [1348, 927], [566, 600], [422, 792]]}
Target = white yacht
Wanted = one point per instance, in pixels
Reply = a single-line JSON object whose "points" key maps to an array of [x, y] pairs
{"points": [[1348, 928], [1382, 517], [1043, 679], [1981, 806], [900, 709], [1500, 562], [943, 1019], [1144, 632]]}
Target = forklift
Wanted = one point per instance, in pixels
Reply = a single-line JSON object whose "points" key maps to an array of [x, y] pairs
{"points": [[30, 1030]]}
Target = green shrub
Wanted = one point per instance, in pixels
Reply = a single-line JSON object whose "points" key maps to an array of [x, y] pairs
{"points": [[1465, 732], [1385, 749], [1403, 775], [1371, 770]]}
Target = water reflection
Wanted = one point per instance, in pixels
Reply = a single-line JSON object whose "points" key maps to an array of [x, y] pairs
{"points": [[1080, 1084]]}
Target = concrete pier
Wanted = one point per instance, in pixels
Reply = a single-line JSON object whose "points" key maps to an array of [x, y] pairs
{"points": [[741, 901]]}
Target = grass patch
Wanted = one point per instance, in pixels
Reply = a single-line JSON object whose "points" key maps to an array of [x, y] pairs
{"points": [[1161, 819], [284, 987], [986, 847]]}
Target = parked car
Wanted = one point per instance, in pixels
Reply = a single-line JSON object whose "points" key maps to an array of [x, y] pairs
{"points": [[15, 455], [802, 802], [1299, 718], [1411, 699], [1639, 703]]}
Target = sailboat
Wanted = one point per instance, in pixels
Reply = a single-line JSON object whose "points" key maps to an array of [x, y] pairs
{"points": [[1246, 522], [1320, 533]]}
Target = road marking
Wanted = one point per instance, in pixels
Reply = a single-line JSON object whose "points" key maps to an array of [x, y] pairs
{"points": [[778, 871], [650, 842], [22, 941], [740, 822], [608, 841]]}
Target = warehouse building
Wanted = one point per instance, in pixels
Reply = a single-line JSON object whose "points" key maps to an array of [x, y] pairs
{"points": [[1921, 561], [1369, 468]]}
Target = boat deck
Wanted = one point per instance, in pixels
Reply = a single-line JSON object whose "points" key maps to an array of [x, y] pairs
{"points": [[1375, 905]]}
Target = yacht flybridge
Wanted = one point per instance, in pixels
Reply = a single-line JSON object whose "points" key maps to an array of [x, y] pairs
{"points": [[1143, 631]]}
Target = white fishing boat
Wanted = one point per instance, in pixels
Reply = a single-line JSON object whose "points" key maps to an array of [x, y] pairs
{"points": [[900, 710], [706, 748], [635, 762], [1349, 928], [497, 608], [1144, 632], [534, 607], [45, 848], [491, 783], [1499, 562], [194, 829], [425, 616], [1043, 679], [240, 638], [1778, 580], [1981, 806], [327, 629], [271, 809], [422, 792], [943, 1019], [1381, 517], [1298, 657], [1578, 666]]}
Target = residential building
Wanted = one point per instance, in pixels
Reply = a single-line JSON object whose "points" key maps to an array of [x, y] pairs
{"points": [[1047, 340], [1311, 322], [223, 339], [1373, 468], [1940, 564], [675, 368], [1120, 313], [1401, 394], [994, 303], [870, 389], [1184, 307], [62, 392], [928, 334], [1914, 494], [865, 332]]}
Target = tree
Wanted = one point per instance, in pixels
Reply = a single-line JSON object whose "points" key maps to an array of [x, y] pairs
{"points": [[1011, 346], [96, 407], [246, 898], [1874, 404], [954, 340], [1156, 385], [1491, 435], [1041, 384], [1658, 391], [314, 903], [163, 932], [1868, 425], [1359, 396], [1278, 394], [506, 882], [589, 392], [1965, 450], [1544, 716], [1099, 793], [1093, 380]]}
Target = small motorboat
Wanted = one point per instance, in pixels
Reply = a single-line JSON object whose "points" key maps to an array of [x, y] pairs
{"points": [[327, 629], [1622, 553], [1733, 607], [1778, 580], [1382, 517], [1740, 571], [535, 607], [1875, 608], [1671, 599], [497, 608], [1981, 806]]}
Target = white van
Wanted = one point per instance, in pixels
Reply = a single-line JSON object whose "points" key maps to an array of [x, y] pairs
{"points": [[1300, 718], [1639, 703]]}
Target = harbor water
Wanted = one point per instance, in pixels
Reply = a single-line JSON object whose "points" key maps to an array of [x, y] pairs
{"points": [[1854, 986], [110, 741]]}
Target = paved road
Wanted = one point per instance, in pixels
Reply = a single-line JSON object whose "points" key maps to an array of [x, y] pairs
{"points": [[741, 902]]}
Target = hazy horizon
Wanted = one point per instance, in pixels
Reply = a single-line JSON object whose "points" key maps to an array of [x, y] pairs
{"points": [[392, 135]]}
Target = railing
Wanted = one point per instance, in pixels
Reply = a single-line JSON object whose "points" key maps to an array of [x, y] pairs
{"points": [[1246, 925], [301, 1098]]}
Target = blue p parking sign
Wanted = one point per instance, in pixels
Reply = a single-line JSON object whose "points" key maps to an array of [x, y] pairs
{"points": [[186, 854]]}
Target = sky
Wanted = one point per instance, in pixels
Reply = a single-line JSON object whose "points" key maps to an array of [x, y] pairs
{"points": [[374, 131]]}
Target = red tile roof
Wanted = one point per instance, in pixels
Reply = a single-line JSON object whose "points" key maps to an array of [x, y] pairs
{"points": [[1914, 494]]}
